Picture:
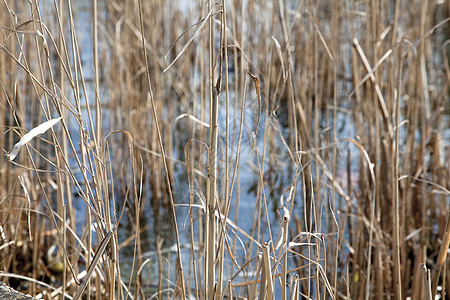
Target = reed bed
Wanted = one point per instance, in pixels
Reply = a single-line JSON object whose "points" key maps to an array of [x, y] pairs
{"points": [[225, 149]]}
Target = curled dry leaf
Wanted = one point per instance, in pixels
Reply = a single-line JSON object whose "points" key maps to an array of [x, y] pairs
{"points": [[258, 93]]}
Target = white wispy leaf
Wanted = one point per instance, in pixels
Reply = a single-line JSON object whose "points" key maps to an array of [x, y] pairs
{"points": [[30, 135]]}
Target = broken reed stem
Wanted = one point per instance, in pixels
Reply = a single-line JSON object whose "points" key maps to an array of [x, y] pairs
{"points": [[426, 282], [267, 269]]}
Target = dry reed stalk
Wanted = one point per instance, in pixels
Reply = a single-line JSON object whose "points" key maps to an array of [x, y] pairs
{"points": [[226, 202], [395, 188], [253, 291], [179, 271], [441, 257], [286, 219], [159, 245], [210, 246], [66, 179], [190, 173]]}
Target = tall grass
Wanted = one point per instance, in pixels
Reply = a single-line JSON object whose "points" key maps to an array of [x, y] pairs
{"points": [[329, 119]]}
